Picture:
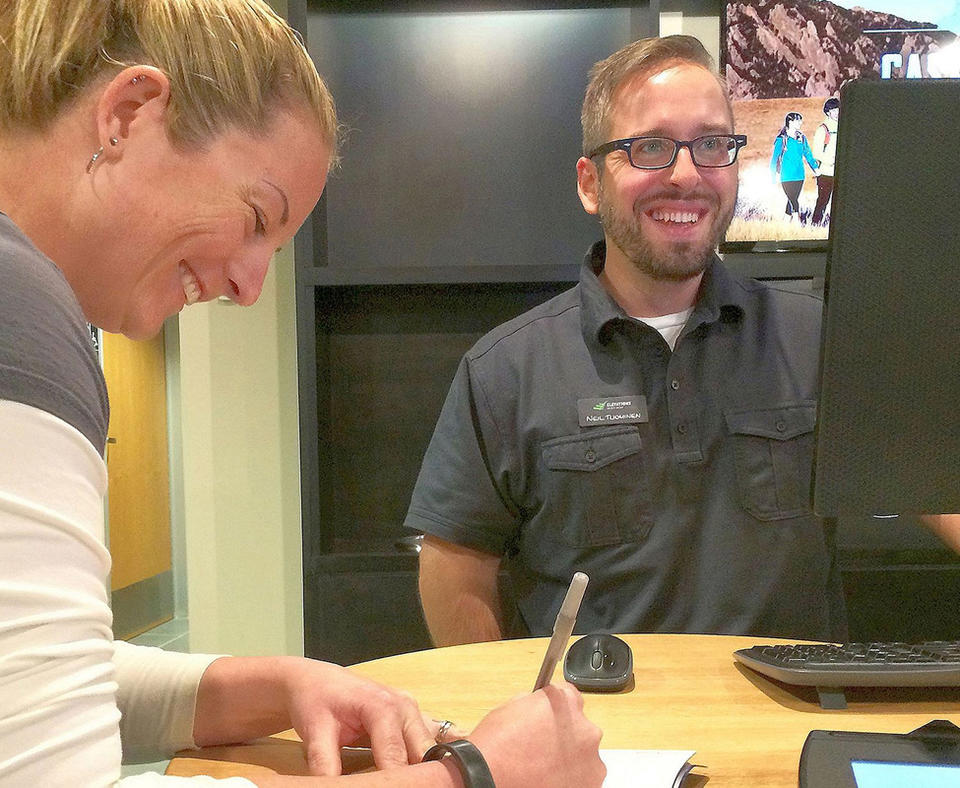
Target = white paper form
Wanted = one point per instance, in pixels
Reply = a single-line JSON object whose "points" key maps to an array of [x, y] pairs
{"points": [[647, 768]]}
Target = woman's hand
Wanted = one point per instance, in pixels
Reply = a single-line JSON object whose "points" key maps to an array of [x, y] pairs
{"points": [[243, 698], [330, 707], [542, 739]]}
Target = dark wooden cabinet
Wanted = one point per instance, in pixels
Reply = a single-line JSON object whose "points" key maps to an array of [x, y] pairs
{"points": [[384, 356], [363, 606]]}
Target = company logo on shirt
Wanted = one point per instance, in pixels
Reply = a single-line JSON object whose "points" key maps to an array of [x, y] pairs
{"points": [[630, 409]]}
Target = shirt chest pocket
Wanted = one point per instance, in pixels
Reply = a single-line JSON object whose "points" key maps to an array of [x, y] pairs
{"points": [[594, 491], [773, 450]]}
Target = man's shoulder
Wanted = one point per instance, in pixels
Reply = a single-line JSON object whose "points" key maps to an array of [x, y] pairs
{"points": [[794, 296], [560, 313], [789, 310]]}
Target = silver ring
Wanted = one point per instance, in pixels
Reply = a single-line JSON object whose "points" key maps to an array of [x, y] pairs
{"points": [[445, 725]]}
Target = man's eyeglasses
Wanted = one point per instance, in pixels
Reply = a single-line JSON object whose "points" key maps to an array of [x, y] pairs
{"points": [[656, 153]]}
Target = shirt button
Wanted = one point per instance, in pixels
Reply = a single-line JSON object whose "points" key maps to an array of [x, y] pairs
{"points": [[590, 456], [674, 384], [682, 428], [781, 426]]}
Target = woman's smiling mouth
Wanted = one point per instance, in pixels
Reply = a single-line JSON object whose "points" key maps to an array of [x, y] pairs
{"points": [[191, 285]]}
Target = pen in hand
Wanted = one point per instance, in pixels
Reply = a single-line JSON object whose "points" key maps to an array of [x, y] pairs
{"points": [[562, 628]]}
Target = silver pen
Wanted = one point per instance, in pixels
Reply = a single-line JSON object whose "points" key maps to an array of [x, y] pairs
{"points": [[562, 628]]}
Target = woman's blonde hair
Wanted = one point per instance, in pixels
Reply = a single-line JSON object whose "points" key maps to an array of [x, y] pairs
{"points": [[231, 63], [641, 57]]}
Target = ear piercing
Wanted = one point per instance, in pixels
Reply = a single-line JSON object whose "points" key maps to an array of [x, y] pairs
{"points": [[113, 140], [93, 159], [99, 153]]}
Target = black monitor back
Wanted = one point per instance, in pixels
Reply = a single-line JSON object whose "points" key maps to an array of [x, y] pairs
{"points": [[888, 432]]}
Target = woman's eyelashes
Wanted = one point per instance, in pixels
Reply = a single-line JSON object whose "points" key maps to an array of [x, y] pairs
{"points": [[259, 221]]}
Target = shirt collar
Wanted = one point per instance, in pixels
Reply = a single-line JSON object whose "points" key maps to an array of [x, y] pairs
{"points": [[720, 298]]}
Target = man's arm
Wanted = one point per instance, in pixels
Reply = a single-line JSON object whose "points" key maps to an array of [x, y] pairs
{"points": [[946, 526], [458, 590]]}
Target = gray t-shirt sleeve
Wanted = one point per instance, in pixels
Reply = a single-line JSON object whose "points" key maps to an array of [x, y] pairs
{"points": [[460, 495], [47, 358]]}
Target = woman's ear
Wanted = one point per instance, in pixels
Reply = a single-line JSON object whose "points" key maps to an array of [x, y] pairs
{"points": [[136, 95], [588, 184]]}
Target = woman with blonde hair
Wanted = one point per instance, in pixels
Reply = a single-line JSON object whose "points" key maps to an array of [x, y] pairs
{"points": [[154, 154]]}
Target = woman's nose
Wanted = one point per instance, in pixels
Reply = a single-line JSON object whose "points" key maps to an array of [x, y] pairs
{"points": [[245, 277]]}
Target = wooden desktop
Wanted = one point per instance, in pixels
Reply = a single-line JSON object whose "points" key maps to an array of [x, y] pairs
{"points": [[688, 693]]}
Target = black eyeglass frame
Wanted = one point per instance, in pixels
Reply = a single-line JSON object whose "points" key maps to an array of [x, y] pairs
{"points": [[625, 144]]}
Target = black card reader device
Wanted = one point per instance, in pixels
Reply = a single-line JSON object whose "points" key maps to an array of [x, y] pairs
{"points": [[929, 757]]}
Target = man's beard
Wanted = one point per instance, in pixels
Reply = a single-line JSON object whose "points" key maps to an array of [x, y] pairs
{"points": [[678, 262]]}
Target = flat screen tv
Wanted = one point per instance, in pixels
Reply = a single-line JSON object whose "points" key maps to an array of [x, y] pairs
{"points": [[788, 58]]}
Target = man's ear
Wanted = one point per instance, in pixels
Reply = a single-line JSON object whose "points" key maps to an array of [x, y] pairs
{"points": [[588, 184], [136, 95]]}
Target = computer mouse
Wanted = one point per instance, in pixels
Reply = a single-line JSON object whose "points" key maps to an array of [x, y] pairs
{"points": [[598, 663]]}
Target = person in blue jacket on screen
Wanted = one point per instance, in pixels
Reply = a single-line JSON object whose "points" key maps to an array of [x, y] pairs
{"points": [[790, 149]]}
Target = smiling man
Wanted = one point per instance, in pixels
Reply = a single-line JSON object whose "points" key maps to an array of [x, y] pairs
{"points": [[652, 426]]}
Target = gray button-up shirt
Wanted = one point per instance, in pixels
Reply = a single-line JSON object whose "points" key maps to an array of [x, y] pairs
{"points": [[572, 438]]}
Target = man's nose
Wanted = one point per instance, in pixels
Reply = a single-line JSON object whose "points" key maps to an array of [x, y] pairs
{"points": [[684, 173], [245, 277]]}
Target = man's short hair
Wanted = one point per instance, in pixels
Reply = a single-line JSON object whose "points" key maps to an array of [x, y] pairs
{"points": [[831, 103], [645, 56]]}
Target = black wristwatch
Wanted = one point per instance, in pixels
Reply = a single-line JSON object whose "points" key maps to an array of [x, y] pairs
{"points": [[470, 763]]}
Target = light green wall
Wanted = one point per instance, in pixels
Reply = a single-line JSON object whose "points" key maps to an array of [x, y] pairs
{"points": [[237, 460], [241, 471]]}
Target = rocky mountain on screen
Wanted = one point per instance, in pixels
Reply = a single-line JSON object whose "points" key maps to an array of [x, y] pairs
{"points": [[793, 48]]}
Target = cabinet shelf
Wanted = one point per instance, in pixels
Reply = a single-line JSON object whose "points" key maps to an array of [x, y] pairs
{"points": [[428, 275]]}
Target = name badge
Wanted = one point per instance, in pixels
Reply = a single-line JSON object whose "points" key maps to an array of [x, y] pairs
{"points": [[628, 409]]}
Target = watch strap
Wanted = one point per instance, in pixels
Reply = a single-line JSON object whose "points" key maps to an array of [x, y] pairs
{"points": [[470, 763]]}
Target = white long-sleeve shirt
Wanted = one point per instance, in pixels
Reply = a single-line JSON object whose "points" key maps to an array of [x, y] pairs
{"points": [[70, 697]]}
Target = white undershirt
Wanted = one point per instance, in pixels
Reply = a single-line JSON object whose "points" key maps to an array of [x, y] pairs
{"points": [[63, 680], [669, 326]]}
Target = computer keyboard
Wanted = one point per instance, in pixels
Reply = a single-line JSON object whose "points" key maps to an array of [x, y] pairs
{"points": [[830, 667]]}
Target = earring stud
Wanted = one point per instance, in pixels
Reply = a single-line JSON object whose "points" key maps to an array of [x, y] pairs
{"points": [[114, 140]]}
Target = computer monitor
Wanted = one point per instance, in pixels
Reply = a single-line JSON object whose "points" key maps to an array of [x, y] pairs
{"points": [[888, 429]]}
